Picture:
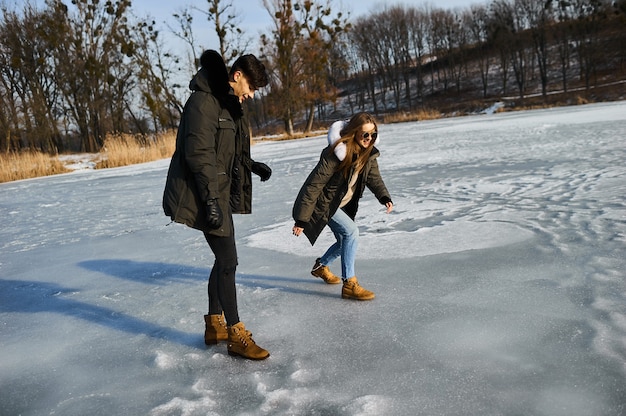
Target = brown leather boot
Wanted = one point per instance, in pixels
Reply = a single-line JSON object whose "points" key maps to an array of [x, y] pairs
{"points": [[240, 343], [215, 329], [352, 290], [323, 272]]}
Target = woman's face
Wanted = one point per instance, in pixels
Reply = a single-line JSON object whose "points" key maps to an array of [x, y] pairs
{"points": [[367, 135]]}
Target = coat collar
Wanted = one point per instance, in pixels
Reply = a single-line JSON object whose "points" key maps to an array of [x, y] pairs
{"points": [[334, 134]]}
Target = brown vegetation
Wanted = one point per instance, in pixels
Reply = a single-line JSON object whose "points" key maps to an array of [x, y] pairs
{"points": [[422, 63], [126, 149], [105, 69], [23, 165], [119, 150], [419, 115]]}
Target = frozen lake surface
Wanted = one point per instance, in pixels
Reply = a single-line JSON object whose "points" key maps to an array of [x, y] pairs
{"points": [[499, 280]]}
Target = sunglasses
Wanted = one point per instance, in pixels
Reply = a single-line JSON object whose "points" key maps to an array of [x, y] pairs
{"points": [[366, 135]]}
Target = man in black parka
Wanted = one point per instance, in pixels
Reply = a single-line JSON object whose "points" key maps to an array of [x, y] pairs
{"points": [[209, 179]]}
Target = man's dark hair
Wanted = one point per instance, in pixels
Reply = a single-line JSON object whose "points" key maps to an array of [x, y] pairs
{"points": [[253, 69]]}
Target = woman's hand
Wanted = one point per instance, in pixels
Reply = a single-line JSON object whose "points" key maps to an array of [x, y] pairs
{"points": [[389, 206], [297, 230]]}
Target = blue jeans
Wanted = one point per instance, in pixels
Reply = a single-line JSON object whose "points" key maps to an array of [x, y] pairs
{"points": [[347, 235]]}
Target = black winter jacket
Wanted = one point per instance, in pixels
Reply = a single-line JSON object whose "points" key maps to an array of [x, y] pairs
{"points": [[212, 156], [325, 187]]}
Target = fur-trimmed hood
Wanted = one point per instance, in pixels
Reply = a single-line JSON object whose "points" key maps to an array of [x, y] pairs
{"points": [[334, 134], [213, 78]]}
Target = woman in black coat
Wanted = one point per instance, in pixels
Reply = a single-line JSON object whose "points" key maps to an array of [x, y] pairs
{"points": [[209, 179], [330, 196]]}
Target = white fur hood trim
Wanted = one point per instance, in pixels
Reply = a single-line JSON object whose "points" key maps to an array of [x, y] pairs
{"points": [[334, 134]]}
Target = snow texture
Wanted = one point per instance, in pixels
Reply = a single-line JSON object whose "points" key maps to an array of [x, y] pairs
{"points": [[499, 280]]}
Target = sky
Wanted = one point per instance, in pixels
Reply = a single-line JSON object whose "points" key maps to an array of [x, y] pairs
{"points": [[252, 15], [499, 282], [255, 19]]}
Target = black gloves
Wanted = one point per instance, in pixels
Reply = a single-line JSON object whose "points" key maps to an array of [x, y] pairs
{"points": [[262, 170], [214, 216]]}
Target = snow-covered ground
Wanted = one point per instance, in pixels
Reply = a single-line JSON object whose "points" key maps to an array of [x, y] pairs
{"points": [[500, 283]]}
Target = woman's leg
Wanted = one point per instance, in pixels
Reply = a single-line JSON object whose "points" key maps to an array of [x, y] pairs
{"points": [[347, 233], [333, 252], [221, 288]]}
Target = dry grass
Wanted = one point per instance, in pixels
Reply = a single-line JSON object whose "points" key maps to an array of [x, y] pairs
{"points": [[119, 150], [126, 149], [285, 136], [425, 114], [15, 166]]}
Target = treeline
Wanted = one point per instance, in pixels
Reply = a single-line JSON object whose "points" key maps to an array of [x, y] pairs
{"points": [[71, 75], [403, 57], [505, 44]]}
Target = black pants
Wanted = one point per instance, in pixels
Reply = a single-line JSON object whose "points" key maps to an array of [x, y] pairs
{"points": [[222, 291]]}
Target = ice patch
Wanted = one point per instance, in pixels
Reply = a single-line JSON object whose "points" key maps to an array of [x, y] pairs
{"points": [[537, 328], [305, 376], [568, 401], [371, 405], [164, 361], [385, 243], [494, 108], [186, 407]]}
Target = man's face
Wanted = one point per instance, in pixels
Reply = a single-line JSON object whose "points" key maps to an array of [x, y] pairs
{"points": [[242, 88]]}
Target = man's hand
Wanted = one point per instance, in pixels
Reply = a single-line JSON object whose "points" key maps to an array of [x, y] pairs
{"points": [[214, 215], [262, 170]]}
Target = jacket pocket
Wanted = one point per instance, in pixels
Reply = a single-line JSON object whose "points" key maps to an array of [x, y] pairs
{"points": [[224, 123], [225, 140]]}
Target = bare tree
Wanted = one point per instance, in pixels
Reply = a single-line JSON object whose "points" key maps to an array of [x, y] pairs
{"points": [[156, 73], [589, 16], [32, 96], [508, 30], [93, 67], [562, 35], [320, 31], [418, 32], [399, 42], [366, 53], [539, 23], [476, 21], [12, 122], [457, 42], [280, 52], [185, 33], [438, 46], [299, 53], [227, 23]]}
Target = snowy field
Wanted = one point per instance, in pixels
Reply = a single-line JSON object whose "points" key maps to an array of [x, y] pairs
{"points": [[499, 280]]}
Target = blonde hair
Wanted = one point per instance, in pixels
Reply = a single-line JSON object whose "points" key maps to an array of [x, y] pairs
{"points": [[355, 156]]}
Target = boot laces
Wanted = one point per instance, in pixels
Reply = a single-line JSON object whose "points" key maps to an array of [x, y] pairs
{"points": [[356, 287], [245, 337]]}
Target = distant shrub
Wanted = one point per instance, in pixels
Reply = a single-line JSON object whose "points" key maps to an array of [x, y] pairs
{"points": [[126, 149], [119, 150], [29, 164], [424, 114], [581, 100]]}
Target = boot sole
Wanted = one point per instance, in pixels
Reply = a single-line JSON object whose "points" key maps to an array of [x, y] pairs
{"points": [[355, 297], [234, 354], [326, 281]]}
